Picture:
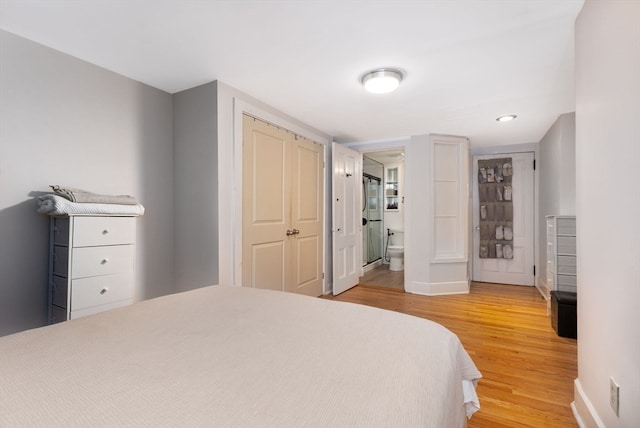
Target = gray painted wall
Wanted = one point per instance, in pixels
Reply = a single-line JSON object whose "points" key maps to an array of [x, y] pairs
{"points": [[65, 121], [557, 179], [195, 132]]}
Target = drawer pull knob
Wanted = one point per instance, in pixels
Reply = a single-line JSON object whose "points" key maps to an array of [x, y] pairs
{"points": [[104, 290], [104, 232], [104, 261]]}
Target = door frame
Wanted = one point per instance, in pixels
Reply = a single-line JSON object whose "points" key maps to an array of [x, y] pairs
{"points": [[240, 108], [383, 146]]}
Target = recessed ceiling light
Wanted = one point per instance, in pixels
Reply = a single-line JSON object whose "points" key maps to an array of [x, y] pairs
{"points": [[382, 80], [506, 118]]}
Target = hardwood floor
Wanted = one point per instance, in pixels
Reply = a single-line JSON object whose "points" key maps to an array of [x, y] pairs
{"points": [[383, 277], [528, 371]]}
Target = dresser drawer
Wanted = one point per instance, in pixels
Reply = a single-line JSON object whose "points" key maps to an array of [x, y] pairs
{"points": [[94, 231], [566, 245], [91, 231], [567, 264], [101, 290], [95, 261], [566, 226], [566, 280]]}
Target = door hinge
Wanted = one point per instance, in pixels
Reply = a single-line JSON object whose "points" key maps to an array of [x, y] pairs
{"points": [[322, 275], [534, 164], [534, 270]]}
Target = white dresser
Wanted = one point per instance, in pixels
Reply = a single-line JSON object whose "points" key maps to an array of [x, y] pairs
{"points": [[91, 266], [561, 253]]}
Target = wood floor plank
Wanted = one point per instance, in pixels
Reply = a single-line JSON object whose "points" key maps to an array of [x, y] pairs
{"points": [[528, 371]]}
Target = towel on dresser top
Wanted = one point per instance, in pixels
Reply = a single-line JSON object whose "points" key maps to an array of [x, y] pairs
{"points": [[84, 196], [56, 205]]}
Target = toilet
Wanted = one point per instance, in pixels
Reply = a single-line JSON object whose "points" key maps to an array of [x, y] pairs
{"points": [[395, 250]]}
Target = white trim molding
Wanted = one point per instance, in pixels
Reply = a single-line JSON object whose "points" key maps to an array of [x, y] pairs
{"points": [[584, 412], [438, 288]]}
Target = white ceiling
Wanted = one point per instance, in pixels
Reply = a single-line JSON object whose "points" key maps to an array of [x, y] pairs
{"points": [[466, 62]]}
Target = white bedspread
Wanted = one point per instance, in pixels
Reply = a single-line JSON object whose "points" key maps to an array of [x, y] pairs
{"points": [[236, 357]]}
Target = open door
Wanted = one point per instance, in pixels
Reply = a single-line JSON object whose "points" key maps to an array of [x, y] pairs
{"points": [[347, 217]]}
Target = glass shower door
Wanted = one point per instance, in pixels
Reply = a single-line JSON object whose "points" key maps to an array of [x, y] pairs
{"points": [[373, 214]]}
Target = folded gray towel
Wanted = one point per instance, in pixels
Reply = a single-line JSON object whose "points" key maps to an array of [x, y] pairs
{"points": [[83, 196]]}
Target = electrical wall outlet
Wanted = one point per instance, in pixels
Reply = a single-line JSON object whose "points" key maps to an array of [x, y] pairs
{"points": [[614, 396]]}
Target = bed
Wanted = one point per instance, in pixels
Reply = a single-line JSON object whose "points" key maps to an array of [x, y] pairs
{"points": [[238, 357]]}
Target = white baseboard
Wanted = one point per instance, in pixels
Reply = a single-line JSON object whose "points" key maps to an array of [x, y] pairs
{"points": [[542, 288], [438, 288], [584, 412], [544, 291], [576, 415]]}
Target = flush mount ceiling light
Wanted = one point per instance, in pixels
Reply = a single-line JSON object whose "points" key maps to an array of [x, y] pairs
{"points": [[506, 118], [382, 80]]}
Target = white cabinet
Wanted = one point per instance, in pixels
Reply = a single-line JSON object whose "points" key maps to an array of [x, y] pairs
{"points": [[91, 265], [392, 188], [561, 253]]}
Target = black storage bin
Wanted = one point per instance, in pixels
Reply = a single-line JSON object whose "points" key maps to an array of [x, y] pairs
{"points": [[564, 313]]}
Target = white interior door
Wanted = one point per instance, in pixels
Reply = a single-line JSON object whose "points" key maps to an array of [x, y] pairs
{"points": [[519, 270], [347, 217]]}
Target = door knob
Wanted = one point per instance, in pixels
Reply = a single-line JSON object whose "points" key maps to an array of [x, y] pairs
{"points": [[296, 231], [290, 232]]}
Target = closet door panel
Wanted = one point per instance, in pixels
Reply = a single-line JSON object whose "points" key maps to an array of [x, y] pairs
{"points": [[268, 266], [266, 203], [269, 155], [307, 217]]}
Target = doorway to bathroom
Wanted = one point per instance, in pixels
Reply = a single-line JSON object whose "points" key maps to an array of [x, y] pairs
{"points": [[383, 219]]}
